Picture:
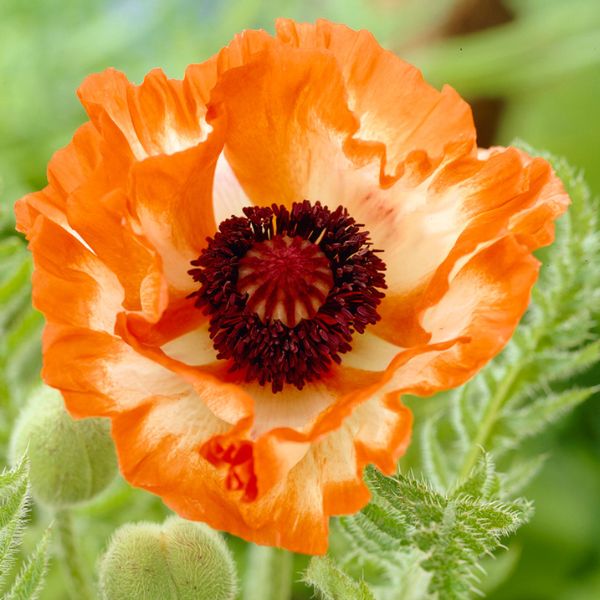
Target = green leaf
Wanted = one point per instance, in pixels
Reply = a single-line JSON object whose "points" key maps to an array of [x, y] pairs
{"points": [[10, 478], [331, 583], [483, 482], [452, 531], [536, 416], [30, 581], [14, 504]]}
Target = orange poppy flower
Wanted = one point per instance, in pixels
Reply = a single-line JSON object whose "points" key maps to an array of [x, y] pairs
{"points": [[246, 269]]}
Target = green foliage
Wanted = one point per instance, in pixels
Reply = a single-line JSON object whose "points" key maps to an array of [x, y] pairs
{"points": [[428, 543], [451, 530], [332, 583], [268, 574], [538, 47], [14, 506], [19, 333]]}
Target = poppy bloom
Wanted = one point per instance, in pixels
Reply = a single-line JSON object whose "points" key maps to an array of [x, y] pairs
{"points": [[246, 269]]}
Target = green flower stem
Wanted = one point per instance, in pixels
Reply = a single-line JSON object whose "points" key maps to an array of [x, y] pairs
{"points": [[269, 574], [77, 582], [489, 419]]}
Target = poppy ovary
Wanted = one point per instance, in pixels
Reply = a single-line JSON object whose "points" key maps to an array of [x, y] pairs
{"points": [[285, 278]]}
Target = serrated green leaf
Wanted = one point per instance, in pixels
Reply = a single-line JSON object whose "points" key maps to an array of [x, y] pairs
{"points": [[536, 416], [451, 531], [12, 477], [331, 583], [375, 530], [30, 581], [12, 498], [14, 505], [482, 483]]}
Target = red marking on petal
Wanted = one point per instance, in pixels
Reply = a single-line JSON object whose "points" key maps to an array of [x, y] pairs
{"points": [[237, 456]]}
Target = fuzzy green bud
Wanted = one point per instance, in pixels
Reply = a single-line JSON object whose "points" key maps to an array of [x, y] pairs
{"points": [[179, 560], [71, 461]]}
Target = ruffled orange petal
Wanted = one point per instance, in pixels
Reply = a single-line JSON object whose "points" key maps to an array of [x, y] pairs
{"points": [[157, 117], [70, 284], [520, 198], [162, 227], [200, 79], [394, 104], [68, 169], [171, 203], [157, 131], [229, 402], [97, 216], [482, 307], [289, 120], [326, 481], [290, 516], [80, 199], [46, 202], [115, 377]]}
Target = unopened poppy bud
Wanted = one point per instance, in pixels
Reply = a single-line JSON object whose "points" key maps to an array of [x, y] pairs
{"points": [[179, 560], [70, 461]]}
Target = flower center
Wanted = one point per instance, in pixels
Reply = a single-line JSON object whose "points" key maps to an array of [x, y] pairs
{"points": [[286, 289], [286, 278]]}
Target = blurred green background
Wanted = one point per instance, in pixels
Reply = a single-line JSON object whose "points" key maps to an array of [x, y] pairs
{"points": [[530, 68]]}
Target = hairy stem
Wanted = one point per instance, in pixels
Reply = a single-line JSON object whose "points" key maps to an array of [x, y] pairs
{"points": [[489, 419], [77, 582], [268, 574]]}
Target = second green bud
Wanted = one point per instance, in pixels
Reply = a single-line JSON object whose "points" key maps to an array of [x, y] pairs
{"points": [[71, 461]]}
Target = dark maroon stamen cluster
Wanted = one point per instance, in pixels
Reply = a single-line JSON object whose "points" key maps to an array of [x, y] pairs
{"points": [[266, 349]]}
